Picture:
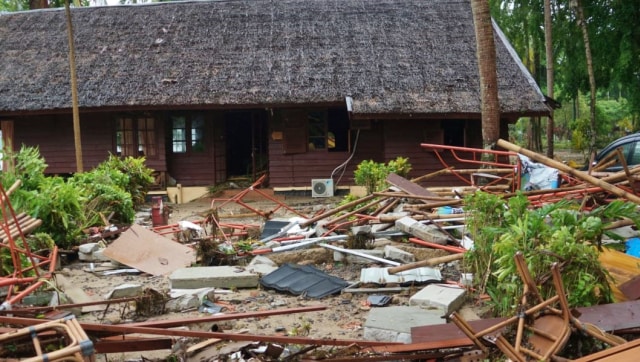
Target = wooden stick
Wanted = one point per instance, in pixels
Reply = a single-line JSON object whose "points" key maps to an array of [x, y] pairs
{"points": [[432, 175], [562, 167], [411, 196], [427, 262], [336, 210]]}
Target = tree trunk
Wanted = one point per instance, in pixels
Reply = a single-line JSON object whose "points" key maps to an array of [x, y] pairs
{"points": [[548, 40], [486, 54], [592, 80]]}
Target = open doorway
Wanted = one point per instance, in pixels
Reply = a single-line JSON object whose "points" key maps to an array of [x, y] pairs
{"points": [[246, 140]]}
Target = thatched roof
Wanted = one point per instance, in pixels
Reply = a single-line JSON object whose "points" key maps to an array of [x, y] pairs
{"points": [[390, 56]]}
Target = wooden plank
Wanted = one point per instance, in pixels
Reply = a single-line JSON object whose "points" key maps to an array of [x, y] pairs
{"points": [[622, 268], [608, 317], [149, 252], [631, 288], [408, 186]]}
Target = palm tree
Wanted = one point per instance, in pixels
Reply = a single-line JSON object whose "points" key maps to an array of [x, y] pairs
{"points": [[486, 54]]}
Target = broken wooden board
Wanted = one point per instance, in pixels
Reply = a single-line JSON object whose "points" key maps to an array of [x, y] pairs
{"points": [[149, 252], [622, 268], [408, 186]]}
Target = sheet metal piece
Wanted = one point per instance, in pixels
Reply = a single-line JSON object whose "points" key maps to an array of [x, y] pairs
{"points": [[304, 279]]}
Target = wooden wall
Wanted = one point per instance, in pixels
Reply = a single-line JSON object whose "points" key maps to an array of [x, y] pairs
{"points": [[196, 168], [54, 137], [299, 169], [386, 140]]}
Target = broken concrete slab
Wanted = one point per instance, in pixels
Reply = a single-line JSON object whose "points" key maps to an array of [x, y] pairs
{"points": [[381, 276], [393, 253], [444, 298], [124, 291], [149, 252], [424, 232], [218, 277], [393, 324]]}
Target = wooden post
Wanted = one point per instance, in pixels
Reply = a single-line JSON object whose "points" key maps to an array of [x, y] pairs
{"points": [[74, 91]]}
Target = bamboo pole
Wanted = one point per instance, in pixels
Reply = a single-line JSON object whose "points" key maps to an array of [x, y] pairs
{"points": [[562, 167], [336, 210], [428, 262]]}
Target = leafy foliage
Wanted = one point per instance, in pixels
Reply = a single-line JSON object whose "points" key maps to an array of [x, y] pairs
{"points": [[67, 206], [136, 178], [553, 233], [372, 175]]}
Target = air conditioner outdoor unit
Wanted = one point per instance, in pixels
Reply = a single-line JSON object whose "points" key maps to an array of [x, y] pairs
{"points": [[322, 188]]}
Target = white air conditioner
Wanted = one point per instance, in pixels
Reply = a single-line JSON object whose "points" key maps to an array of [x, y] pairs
{"points": [[322, 188]]}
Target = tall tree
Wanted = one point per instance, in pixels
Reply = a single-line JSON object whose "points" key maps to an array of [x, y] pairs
{"points": [[486, 55], [592, 79], [548, 44]]}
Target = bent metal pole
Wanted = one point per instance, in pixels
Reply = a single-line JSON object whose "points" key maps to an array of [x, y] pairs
{"points": [[562, 167]]}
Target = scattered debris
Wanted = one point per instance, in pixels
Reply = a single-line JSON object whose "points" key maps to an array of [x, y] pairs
{"points": [[406, 293]]}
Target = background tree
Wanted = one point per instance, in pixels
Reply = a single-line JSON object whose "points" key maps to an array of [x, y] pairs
{"points": [[614, 43], [548, 45]]}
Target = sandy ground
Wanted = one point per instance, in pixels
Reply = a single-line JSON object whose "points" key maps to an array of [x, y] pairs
{"points": [[343, 317]]}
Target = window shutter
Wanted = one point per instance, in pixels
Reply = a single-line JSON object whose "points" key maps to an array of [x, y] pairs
{"points": [[294, 131]]}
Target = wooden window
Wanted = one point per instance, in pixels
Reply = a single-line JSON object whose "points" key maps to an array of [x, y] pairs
{"points": [[315, 130], [187, 133], [136, 136], [454, 134]]}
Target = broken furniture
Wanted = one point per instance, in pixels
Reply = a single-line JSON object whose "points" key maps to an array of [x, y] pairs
{"points": [[78, 344], [547, 328]]}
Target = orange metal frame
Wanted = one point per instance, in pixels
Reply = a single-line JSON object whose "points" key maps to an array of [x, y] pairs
{"points": [[25, 263], [480, 158], [255, 187]]}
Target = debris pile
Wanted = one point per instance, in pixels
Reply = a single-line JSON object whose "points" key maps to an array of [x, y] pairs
{"points": [[406, 240]]}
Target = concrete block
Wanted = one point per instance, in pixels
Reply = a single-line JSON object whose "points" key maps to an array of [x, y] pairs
{"points": [[88, 248], [262, 260], [444, 298], [124, 291], [182, 303], [393, 253], [354, 259], [393, 324], [216, 277], [425, 232]]}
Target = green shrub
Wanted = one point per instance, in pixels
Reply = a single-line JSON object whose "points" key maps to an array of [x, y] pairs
{"points": [[66, 207], [138, 180], [372, 175], [553, 233]]}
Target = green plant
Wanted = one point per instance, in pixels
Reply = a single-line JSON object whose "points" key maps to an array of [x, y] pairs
{"points": [[399, 166], [138, 177], [553, 233], [67, 206], [372, 175]]}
